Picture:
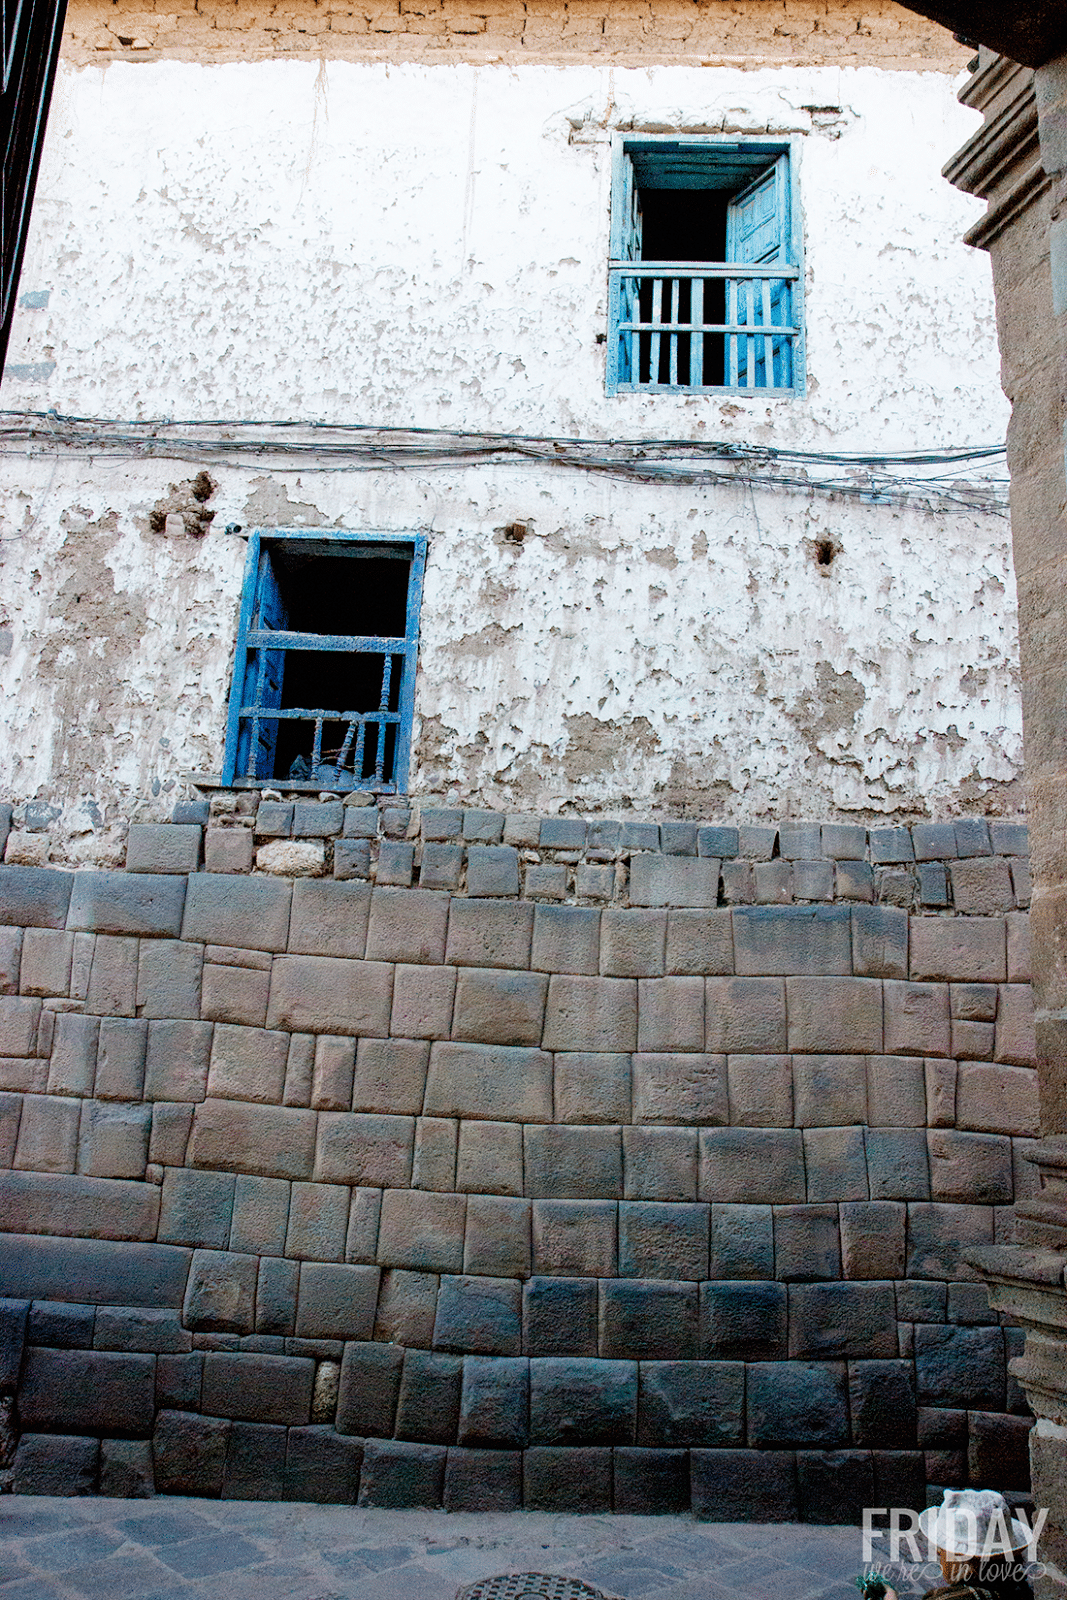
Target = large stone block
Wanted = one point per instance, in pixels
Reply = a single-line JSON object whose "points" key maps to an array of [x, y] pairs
{"points": [[235, 994], [19, 1018], [575, 1238], [14, 1317], [258, 1388], [87, 1391], [959, 1367], [55, 1464], [495, 1402], [662, 880], [162, 847], [255, 1462], [591, 1013], [178, 1381], [566, 939], [45, 964], [423, 999], [663, 1241], [47, 1134], [489, 1158], [277, 1287], [408, 925], [742, 1242], [896, 1092], [680, 1088], [974, 1168], [834, 1485], [397, 1475], [648, 1320], [939, 1235], [650, 1482], [774, 941], [659, 1163], [129, 903], [998, 1454], [560, 1317], [882, 1402], [113, 1139], [752, 1166], [835, 1164], [247, 1063], [268, 1141], [485, 933], [835, 1016], [745, 1015], [428, 1403], [92, 1271], [189, 1453], [97, 1208], [499, 1007], [126, 1471], [196, 1207], [760, 1091], [482, 1316], [827, 1320], [390, 1075], [493, 870], [879, 942], [176, 1060], [422, 1231], [797, 1403], [326, 994], [322, 1466], [493, 1082], [61, 1326], [873, 1239], [592, 1086], [567, 1479], [917, 1019], [75, 1047], [369, 1389], [670, 1014], [434, 1163], [332, 1076], [497, 1239], [562, 1163], [120, 1059], [575, 1401], [221, 1293], [898, 1164], [407, 1307], [806, 1243], [743, 1485], [112, 990], [743, 1321], [483, 1480], [329, 919], [996, 1099], [829, 1091], [1015, 1031], [251, 913], [318, 1221], [960, 949], [684, 1403], [699, 943], [633, 943], [34, 897], [373, 1151]]}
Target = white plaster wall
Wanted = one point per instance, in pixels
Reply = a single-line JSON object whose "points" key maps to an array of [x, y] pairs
{"points": [[426, 245]]}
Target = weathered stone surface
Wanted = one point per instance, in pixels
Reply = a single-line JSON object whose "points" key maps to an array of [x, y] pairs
{"points": [[882, 1403], [897, 1163], [960, 1367], [176, 1060], [497, 1238], [276, 1296], [258, 1388], [422, 1231], [834, 1486], [92, 1271], [483, 1480], [369, 1389], [662, 880], [938, 1235], [89, 1390], [760, 1091], [829, 1091], [842, 1319], [479, 1315], [896, 1093], [60, 1464], [408, 925], [962, 949], [318, 1221], [659, 1163], [484, 933], [575, 1401], [835, 1016], [566, 939], [591, 1013], [47, 1134], [495, 1403], [499, 1007], [806, 1243], [684, 1403], [221, 1293], [390, 1075], [670, 1014], [632, 943], [489, 1158], [129, 903], [489, 1081], [797, 1403], [771, 941], [247, 1063], [592, 1086], [650, 1482], [972, 1167], [575, 1238], [699, 943], [397, 1475], [567, 1479], [745, 1015], [367, 1150], [162, 847], [113, 1139], [997, 1099], [428, 1403], [562, 1163], [663, 1241], [423, 999], [407, 1307], [322, 1466], [34, 897], [742, 1242], [751, 1166], [269, 1141], [189, 1453], [873, 1239], [835, 1164], [104, 1208], [251, 913], [326, 994], [680, 1088], [743, 1321], [644, 1320], [744, 1485]]}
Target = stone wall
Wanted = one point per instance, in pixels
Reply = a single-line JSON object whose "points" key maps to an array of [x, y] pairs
{"points": [[621, 1190]]}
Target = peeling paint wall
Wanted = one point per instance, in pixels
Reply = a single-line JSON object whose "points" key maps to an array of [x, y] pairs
{"points": [[404, 244]]}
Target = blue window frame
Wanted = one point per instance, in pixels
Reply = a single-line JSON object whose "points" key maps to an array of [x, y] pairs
{"points": [[323, 690], [705, 278]]}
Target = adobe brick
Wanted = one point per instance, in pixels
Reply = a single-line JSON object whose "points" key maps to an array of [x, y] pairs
{"points": [[48, 1134], [34, 897], [699, 943], [962, 949], [567, 1479], [575, 1238], [267, 1141], [896, 1092], [751, 1166], [318, 1221], [633, 943], [562, 1163], [489, 1158], [423, 999], [560, 1317], [176, 1060], [258, 1388], [659, 1240], [829, 1320], [744, 1015], [499, 1007], [873, 1239], [370, 1150], [829, 1091], [747, 1321], [495, 1082], [45, 965], [96, 1391], [335, 1059], [592, 1086], [113, 1139], [834, 1015], [260, 1215], [235, 994], [251, 913], [797, 1402], [247, 1064], [566, 939], [939, 1234], [484, 933], [664, 880], [497, 1238], [478, 1315], [835, 1164], [970, 1167], [127, 903], [879, 942], [806, 1243], [327, 994], [407, 1306], [680, 1089], [772, 942], [670, 1014], [659, 1163], [421, 1230]]}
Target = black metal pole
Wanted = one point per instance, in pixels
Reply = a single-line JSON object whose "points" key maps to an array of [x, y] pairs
{"points": [[32, 33]]}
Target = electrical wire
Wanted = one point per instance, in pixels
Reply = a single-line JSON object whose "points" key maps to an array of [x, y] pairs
{"points": [[959, 479]]}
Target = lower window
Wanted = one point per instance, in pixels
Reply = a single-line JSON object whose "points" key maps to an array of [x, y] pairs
{"points": [[323, 691]]}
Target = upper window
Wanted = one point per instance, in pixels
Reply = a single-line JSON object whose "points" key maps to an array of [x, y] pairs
{"points": [[705, 277], [323, 689]]}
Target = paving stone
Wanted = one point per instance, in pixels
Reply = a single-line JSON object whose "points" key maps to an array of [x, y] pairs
{"points": [[562, 1163], [744, 1485], [742, 1242], [441, 866], [485, 934], [428, 1403], [745, 1016], [579, 1401], [258, 1388], [663, 1240], [633, 943], [575, 1238], [648, 1320], [751, 1166], [190, 1453], [959, 1366], [497, 1239], [970, 1167], [422, 1231], [771, 941], [322, 1466], [939, 1234], [873, 1239], [176, 1060], [489, 1158], [318, 1221], [760, 1091], [221, 1293], [797, 1403], [560, 1317], [835, 1164], [592, 1086], [326, 994], [89, 1390], [828, 1320], [743, 1321], [806, 1242], [684, 1403], [499, 1007], [407, 1307], [55, 1464], [495, 1402], [250, 913], [664, 880], [493, 870], [266, 1141], [483, 1480], [398, 1475], [277, 1288], [835, 1016], [481, 1316]]}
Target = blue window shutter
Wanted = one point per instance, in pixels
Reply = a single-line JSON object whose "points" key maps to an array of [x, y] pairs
{"points": [[263, 675], [757, 230], [625, 246], [240, 659]]}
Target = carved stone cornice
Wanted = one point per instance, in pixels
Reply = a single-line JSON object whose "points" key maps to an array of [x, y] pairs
{"points": [[1028, 1286], [1000, 163]]}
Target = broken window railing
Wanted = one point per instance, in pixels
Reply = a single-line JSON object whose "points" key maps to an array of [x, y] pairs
{"points": [[686, 326]]}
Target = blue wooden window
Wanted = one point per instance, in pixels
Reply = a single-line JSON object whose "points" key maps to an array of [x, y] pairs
{"points": [[323, 691], [705, 277]]}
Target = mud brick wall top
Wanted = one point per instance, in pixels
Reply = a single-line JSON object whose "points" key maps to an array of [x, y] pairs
{"points": [[450, 1132]]}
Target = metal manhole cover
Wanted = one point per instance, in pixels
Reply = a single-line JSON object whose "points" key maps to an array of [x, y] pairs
{"points": [[531, 1586]]}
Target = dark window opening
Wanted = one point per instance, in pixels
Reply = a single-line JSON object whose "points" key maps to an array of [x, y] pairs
{"points": [[342, 594]]}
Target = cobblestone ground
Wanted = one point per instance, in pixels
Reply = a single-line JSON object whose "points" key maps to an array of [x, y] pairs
{"points": [[163, 1549]]}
